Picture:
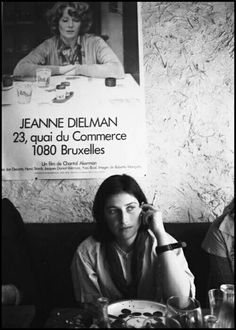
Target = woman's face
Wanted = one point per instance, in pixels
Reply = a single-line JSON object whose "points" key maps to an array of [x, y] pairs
{"points": [[69, 26], [122, 215]]}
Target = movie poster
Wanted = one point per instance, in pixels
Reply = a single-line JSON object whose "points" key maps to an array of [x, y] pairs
{"points": [[95, 129]]}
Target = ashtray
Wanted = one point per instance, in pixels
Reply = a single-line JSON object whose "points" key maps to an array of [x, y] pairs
{"points": [[7, 82], [55, 100]]}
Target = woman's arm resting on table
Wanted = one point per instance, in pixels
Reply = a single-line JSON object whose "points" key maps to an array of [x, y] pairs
{"points": [[37, 58], [106, 63], [27, 66], [27, 69], [100, 70]]}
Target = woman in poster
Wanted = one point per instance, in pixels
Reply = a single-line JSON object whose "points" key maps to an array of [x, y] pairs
{"points": [[71, 50]]}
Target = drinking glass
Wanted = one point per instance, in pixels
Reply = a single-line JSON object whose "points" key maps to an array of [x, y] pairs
{"points": [[43, 77], [229, 291], [189, 313], [216, 299], [24, 92], [226, 316]]}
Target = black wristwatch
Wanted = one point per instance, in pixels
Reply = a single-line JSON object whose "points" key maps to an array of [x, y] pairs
{"points": [[164, 248]]}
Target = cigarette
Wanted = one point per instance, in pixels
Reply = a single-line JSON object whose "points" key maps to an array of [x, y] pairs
{"points": [[154, 198]]}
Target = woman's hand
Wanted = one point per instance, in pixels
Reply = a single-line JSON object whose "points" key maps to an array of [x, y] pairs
{"points": [[153, 217]]}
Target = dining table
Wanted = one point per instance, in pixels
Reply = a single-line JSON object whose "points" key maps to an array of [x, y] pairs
{"points": [[97, 130], [72, 317], [85, 91]]}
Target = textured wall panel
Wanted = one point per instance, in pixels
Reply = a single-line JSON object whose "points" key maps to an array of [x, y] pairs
{"points": [[189, 67]]}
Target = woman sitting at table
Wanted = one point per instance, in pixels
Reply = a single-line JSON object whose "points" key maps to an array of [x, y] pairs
{"points": [[130, 255], [71, 50], [219, 244]]}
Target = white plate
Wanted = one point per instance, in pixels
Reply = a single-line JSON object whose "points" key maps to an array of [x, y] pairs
{"points": [[135, 306]]}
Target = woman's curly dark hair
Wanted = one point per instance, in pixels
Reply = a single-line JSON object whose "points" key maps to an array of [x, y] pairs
{"points": [[80, 10], [113, 185]]}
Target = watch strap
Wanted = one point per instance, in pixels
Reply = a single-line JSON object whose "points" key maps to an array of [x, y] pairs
{"points": [[168, 247]]}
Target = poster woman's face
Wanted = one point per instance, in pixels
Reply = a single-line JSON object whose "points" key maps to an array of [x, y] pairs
{"points": [[122, 215], [69, 26]]}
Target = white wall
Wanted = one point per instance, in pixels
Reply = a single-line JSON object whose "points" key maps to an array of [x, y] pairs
{"points": [[189, 78]]}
